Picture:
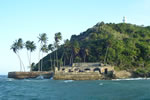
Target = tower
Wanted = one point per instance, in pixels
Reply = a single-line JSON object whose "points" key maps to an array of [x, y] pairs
{"points": [[124, 19]]}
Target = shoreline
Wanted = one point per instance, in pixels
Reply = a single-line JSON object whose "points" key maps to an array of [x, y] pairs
{"points": [[118, 75]]}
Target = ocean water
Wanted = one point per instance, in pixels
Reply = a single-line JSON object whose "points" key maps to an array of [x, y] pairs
{"points": [[47, 89]]}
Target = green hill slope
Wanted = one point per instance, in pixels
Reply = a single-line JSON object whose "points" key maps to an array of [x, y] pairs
{"points": [[125, 46]]}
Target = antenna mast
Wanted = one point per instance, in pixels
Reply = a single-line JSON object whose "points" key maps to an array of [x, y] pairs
{"points": [[124, 19]]}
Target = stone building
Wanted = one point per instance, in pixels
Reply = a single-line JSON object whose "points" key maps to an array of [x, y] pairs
{"points": [[84, 71]]}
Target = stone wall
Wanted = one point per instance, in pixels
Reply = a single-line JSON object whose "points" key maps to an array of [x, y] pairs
{"points": [[101, 70], [24, 75], [85, 64], [77, 76]]}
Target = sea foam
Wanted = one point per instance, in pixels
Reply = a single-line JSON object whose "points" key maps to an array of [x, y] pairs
{"points": [[67, 81], [131, 79]]}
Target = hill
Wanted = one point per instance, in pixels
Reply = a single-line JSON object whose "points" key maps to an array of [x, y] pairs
{"points": [[123, 45]]}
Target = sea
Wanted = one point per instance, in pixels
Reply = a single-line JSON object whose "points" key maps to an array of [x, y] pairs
{"points": [[49, 89]]}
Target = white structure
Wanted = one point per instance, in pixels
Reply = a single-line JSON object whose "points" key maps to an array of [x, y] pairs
{"points": [[124, 19]]}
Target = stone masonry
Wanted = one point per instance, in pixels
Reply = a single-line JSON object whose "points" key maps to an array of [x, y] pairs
{"points": [[83, 71]]}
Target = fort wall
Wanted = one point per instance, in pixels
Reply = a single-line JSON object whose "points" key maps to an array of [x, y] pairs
{"points": [[83, 71]]}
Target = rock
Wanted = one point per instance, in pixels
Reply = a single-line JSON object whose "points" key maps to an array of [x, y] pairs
{"points": [[122, 74]]}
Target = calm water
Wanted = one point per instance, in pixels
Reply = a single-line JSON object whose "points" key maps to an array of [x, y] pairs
{"points": [[32, 89]]}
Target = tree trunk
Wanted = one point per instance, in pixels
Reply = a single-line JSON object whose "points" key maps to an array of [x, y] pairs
{"points": [[20, 62], [70, 59], [39, 61], [106, 55], [64, 61], [56, 58], [84, 57], [62, 56], [51, 61], [30, 63], [42, 62], [23, 65], [29, 60]]}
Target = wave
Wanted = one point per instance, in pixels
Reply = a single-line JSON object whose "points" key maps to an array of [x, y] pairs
{"points": [[132, 79], [51, 78], [67, 81], [100, 83], [40, 77], [10, 79]]}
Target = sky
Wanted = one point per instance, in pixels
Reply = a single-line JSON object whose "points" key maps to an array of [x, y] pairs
{"points": [[27, 19]]}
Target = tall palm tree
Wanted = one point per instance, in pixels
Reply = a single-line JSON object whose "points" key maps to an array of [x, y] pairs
{"points": [[51, 48], [43, 40], [67, 47], [44, 49], [30, 46], [109, 43], [16, 46], [85, 53], [57, 37], [20, 45], [75, 48], [55, 48]]}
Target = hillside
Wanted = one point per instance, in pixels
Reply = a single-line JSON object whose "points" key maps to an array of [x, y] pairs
{"points": [[123, 45]]}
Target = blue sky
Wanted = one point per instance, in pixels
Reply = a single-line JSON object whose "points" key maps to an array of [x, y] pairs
{"points": [[28, 18]]}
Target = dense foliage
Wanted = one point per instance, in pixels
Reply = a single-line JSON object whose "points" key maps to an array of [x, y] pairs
{"points": [[123, 45]]}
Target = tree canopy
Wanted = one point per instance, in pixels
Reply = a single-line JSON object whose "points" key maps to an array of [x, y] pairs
{"points": [[123, 45]]}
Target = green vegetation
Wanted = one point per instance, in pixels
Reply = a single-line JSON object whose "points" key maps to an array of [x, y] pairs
{"points": [[125, 46]]}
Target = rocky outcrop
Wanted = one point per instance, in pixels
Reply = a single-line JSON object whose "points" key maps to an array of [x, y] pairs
{"points": [[123, 74], [24, 75]]}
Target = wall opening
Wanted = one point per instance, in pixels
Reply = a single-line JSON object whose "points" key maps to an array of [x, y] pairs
{"points": [[70, 70], [76, 69], [106, 71], [87, 69], [97, 69], [63, 69], [81, 71]]}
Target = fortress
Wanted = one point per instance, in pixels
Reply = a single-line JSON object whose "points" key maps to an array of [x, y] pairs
{"points": [[78, 71], [84, 71]]}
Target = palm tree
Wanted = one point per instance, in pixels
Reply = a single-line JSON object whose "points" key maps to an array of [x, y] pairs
{"points": [[108, 45], [55, 46], [43, 40], [75, 48], [44, 49], [20, 47], [85, 53], [57, 37], [51, 48], [30, 46], [66, 48], [16, 46]]}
